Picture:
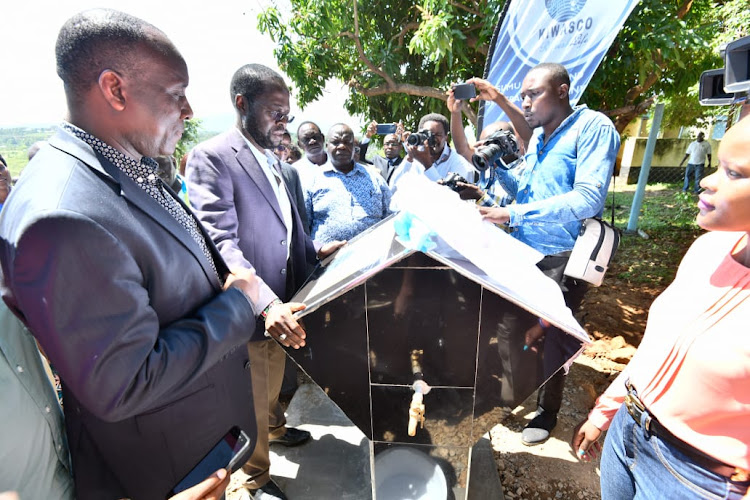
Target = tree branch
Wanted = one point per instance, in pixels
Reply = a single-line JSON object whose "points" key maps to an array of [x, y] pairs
{"points": [[624, 115], [398, 88], [465, 8], [470, 115], [412, 26], [684, 8], [361, 51]]}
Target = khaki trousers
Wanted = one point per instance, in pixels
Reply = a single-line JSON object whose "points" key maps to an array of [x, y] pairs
{"points": [[267, 360]]}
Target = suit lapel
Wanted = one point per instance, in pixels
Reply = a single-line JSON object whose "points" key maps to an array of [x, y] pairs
{"points": [[249, 164], [141, 200], [149, 206]]}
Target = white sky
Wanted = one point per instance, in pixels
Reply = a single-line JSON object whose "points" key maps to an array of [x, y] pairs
{"points": [[215, 37]]}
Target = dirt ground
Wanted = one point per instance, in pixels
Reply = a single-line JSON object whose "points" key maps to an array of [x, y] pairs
{"points": [[616, 318]]}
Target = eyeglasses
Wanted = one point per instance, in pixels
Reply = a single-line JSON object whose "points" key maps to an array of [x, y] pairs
{"points": [[278, 116]]}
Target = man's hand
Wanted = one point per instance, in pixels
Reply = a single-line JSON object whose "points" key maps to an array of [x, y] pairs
{"points": [[282, 326], [245, 280], [422, 154], [496, 215], [485, 90], [330, 248], [372, 129], [585, 441], [212, 488], [469, 191], [400, 130], [532, 337], [454, 105]]}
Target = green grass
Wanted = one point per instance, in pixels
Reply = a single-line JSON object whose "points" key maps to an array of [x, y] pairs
{"points": [[17, 159], [667, 217], [15, 142]]}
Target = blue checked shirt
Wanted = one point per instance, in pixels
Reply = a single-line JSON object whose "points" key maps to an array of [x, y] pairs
{"points": [[565, 180], [340, 206]]}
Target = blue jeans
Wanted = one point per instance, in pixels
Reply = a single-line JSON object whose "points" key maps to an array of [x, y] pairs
{"points": [[697, 171], [637, 465]]}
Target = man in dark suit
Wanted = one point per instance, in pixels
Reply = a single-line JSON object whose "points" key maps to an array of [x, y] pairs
{"points": [[117, 280], [238, 191], [392, 149]]}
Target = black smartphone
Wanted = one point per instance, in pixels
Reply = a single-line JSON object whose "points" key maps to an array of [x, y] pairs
{"points": [[224, 455], [386, 128], [464, 91]]}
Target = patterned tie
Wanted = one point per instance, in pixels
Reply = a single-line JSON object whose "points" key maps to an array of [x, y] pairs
{"points": [[144, 174]]}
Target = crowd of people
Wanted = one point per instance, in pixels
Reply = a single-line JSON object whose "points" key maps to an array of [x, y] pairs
{"points": [[161, 294]]}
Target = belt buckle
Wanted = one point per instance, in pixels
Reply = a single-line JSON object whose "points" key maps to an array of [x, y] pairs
{"points": [[636, 410], [632, 408]]}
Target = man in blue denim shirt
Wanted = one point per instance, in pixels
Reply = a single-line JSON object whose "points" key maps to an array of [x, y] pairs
{"points": [[569, 162]]}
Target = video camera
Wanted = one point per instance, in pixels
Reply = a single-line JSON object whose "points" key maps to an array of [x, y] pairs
{"points": [[499, 149], [418, 138], [731, 83]]}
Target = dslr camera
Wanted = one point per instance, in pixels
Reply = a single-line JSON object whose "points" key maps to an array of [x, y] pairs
{"points": [[499, 149], [418, 138], [452, 179]]}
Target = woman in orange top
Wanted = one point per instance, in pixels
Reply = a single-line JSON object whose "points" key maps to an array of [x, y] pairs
{"points": [[679, 414]]}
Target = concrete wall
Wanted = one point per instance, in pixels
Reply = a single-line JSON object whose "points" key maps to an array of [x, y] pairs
{"points": [[667, 155]]}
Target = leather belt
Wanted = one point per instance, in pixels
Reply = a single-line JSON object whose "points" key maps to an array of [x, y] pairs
{"points": [[637, 410]]}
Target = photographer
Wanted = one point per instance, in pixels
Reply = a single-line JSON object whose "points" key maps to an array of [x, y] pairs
{"points": [[489, 191], [569, 162], [392, 149], [428, 153]]}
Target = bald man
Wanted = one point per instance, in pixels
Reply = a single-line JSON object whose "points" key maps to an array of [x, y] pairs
{"points": [[117, 280]]}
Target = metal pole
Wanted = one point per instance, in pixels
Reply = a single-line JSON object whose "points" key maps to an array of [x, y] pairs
{"points": [[648, 156]]}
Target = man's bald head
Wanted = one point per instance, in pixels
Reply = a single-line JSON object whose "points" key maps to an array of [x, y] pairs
{"points": [[496, 127], [100, 39]]}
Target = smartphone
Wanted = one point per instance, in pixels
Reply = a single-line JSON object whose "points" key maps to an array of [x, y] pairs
{"points": [[385, 129], [464, 91], [224, 455]]}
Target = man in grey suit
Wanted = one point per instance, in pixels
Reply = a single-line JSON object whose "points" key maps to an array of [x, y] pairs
{"points": [[238, 191], [117, 280]]}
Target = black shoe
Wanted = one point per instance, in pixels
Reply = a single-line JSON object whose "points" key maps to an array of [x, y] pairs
{"points": [[538, 430], [269, 491], [292, 437]]}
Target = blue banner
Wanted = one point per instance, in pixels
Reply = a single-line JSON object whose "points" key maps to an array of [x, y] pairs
{"points": [[574, 33]]}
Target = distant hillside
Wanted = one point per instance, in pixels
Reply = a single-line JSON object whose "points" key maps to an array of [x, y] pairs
{"points": [[15, 142]]}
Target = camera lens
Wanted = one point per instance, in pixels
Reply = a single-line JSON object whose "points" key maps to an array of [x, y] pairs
{"points": [[416, 139], [486, 156]]}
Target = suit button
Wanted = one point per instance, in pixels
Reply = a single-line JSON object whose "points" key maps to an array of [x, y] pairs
{"points": [[283, 271], [283, 242], [247, 365]]}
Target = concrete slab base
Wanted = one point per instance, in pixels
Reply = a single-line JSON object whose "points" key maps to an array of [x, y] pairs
{"points": [[336, 463]]}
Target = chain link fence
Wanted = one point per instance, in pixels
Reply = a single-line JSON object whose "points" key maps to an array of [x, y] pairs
{"points": [[661, 175]]}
